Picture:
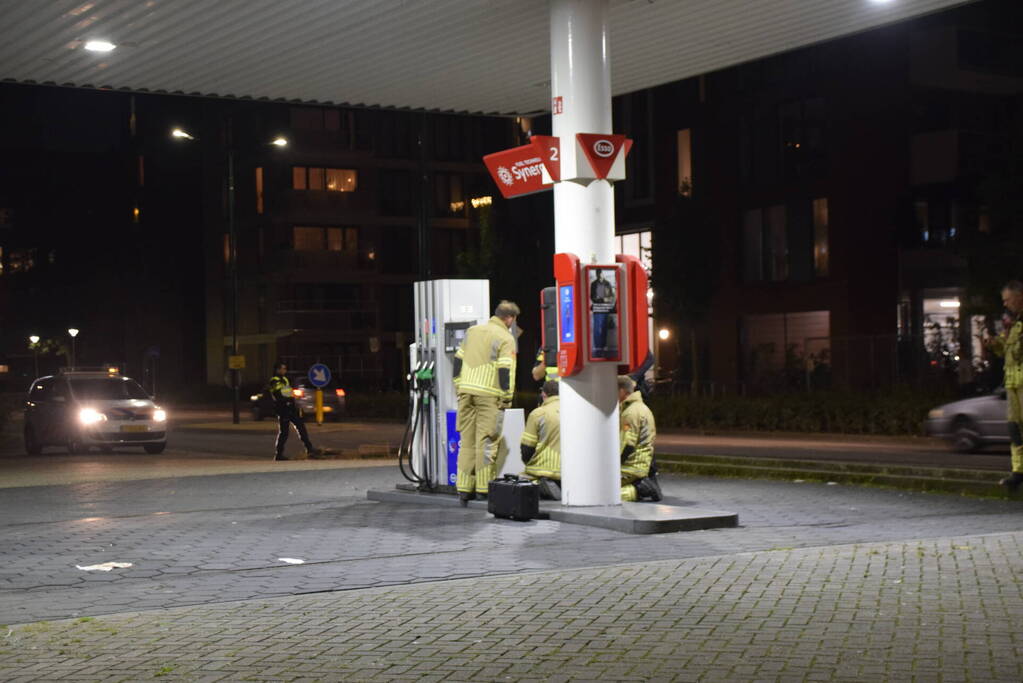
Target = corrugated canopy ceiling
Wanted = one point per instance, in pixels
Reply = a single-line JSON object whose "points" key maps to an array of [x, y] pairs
{"points": [[489, 56]]}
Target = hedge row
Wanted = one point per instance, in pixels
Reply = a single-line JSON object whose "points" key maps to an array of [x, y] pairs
{"points": [[9, 404], [899, 413]]}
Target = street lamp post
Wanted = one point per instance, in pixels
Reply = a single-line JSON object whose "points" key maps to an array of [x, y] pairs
{"points": [[74, 333], [34, 341], [232, 257], [232, 246]]}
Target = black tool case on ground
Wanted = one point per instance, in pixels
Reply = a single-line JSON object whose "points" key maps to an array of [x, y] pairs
{"points": [[513, 498]]}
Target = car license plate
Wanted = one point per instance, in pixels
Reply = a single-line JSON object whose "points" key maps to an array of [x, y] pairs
{"points": [[134, 428]]}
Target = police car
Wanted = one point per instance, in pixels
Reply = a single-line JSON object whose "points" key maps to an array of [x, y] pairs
{"points": [[77, 410]]}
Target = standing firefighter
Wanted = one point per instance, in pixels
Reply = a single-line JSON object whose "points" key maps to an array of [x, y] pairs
{"points": [[638, 432], [1010, 345], [484, 375], [541, 443], [287, 412]]}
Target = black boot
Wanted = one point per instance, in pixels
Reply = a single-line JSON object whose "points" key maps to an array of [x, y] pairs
{"points": [[549, 489], [647, 487], [1012, 481], [464, 497]]}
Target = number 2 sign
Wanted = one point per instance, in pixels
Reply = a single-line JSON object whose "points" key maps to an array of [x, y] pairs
{"points": [[548, 148]]}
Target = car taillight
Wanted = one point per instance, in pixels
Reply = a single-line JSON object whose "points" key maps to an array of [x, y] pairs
{"points": [[340, 393], [298, 393]]}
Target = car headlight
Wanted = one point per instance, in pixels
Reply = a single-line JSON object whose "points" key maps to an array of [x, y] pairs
{"points": [[160, 415], [254, 397], [936, 413], [89, 416]]}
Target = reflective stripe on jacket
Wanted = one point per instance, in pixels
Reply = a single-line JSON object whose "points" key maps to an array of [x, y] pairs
{"points": [[486, 349], [550, 372], [638, 430], [1010, 346], [543, 431]]}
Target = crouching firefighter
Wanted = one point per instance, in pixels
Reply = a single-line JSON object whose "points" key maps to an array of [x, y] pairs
{"points": [[637, 432], [541, 443], [287, 412], [484, 375]]}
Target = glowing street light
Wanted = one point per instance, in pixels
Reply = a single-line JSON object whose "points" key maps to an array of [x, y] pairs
{"points": [[181, 134], [73, 331], [34, 341], [663, 334]]}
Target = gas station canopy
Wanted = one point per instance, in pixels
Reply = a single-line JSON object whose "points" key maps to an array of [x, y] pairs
{"points": [[472, 56]]}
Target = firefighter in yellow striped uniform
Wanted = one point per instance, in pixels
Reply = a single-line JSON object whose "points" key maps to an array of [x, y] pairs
{"points": [[1010, 345], [484, 375], [541, 443], [544, 373], [637, 433]]}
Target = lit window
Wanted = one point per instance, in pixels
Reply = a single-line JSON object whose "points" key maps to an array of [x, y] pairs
{"points": [[329, 179], [315, 179], [335, 239], [685, 163], [820, 237], [308, 239], [21, 260], [259, 189], [341, 180]]}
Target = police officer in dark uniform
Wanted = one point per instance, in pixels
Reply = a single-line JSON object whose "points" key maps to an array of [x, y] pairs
{"points": [[287, 412]]}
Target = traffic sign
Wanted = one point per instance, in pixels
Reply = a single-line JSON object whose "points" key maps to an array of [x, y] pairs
{"points": [[319, 375], [233, 362]]}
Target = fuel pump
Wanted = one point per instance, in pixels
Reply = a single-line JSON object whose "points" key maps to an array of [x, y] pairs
{"points": [[444, 310]]}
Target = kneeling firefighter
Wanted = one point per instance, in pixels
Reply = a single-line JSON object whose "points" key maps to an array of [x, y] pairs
{"points": [[484, 374], [541, 443], [637, 432]]}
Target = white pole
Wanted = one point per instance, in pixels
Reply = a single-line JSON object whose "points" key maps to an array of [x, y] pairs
{"points": [[584, 225]]}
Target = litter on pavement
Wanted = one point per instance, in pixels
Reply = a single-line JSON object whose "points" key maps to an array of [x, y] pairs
{"points": [[105, 567]]}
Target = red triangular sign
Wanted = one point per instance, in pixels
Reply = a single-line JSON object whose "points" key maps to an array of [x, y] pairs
{"points": [[549, 149], [600, 150]]}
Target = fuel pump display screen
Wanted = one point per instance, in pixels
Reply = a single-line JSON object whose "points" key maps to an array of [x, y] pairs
{"points": [[454, 334], [566, 315]]}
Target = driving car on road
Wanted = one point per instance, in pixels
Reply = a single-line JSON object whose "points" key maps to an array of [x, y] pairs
{"points": [[305, 398], [971, 423], [78, 410]]}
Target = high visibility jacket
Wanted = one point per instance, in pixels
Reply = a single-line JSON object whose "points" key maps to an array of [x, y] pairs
{"points": [[486, 349], [639, 431], [1011, 346], [281, 393], [550, 372], [543, 431]]}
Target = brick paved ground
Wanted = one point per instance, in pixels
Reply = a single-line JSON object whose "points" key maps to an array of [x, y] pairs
{"points": [[820, 583], [204, 539], [939, 610]]}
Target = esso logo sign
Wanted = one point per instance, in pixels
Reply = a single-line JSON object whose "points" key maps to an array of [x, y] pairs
{"points": [[603, 148]]}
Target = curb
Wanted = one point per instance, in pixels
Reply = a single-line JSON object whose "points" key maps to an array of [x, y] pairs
{"points": [[963, 482]]}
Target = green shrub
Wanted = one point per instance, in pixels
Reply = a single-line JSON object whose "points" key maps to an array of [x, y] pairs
{"points": [[9, 404], [900, 412]]}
